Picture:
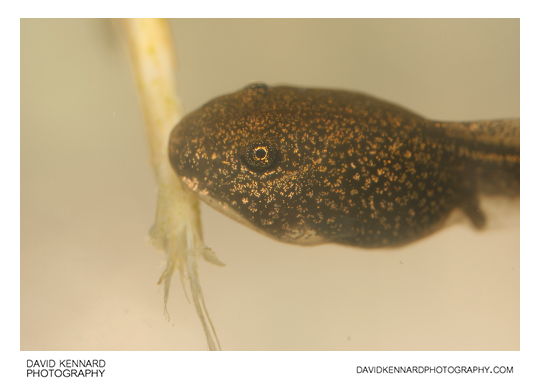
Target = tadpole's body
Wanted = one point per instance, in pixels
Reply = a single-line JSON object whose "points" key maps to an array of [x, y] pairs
{"points": [[311, 166]]}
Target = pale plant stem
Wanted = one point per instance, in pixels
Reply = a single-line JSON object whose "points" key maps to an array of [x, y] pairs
{"points": [[177, 226]]}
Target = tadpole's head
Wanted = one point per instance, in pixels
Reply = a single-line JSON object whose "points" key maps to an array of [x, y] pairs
{"points": [[245, 155]]}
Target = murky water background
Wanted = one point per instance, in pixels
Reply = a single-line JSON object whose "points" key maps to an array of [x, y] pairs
{"points": [[88, 272]]}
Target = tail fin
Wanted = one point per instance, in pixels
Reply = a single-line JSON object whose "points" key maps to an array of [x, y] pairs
{"points": [[491, 147]]}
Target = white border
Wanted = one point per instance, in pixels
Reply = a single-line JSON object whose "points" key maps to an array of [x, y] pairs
{"points": [[273, 366]]}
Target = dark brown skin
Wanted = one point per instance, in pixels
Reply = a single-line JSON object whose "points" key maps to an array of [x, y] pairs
{"points": [[310, 166]]}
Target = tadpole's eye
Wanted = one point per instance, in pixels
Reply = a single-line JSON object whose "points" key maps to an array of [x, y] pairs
{"points": [[261, 153], [260, 156]]}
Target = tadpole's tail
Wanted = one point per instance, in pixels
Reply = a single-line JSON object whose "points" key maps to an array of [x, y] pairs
{"points": [[491, 151]]}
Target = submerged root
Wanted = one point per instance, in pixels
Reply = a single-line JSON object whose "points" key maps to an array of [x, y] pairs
{"points": [[177, 231]]}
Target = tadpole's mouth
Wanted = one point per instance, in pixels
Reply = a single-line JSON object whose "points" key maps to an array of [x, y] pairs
{"points": [[193, 184], [306, 237]]}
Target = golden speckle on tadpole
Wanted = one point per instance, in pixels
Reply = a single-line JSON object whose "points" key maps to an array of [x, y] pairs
{"points": [[310, 166]]}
